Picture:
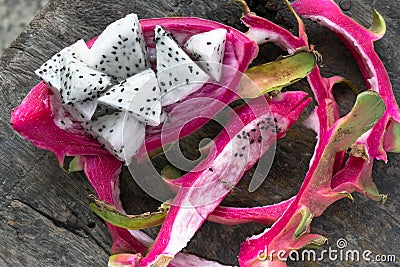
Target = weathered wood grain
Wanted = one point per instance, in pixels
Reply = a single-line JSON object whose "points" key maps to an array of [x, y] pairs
{"points": [[44, 216]]}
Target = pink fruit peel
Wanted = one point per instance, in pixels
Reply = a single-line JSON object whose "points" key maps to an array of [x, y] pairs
{"points": [[291, 230], [360, 42]]}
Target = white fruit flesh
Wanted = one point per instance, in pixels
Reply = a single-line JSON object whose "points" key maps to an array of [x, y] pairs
{"points": [[178, 76], [208, 49], [138, 95]]}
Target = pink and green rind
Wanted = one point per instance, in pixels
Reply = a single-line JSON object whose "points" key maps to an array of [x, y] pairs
{"points": [[360, 42], [291, 231]]}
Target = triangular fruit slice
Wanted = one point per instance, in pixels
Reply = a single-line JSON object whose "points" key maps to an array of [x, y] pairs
{"points": [[120, 50], [177, 74], [208, 49], [138, 95], [120, 133]]}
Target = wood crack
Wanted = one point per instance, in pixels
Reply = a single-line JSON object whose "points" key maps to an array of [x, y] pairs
{"points": [[76, 230]]}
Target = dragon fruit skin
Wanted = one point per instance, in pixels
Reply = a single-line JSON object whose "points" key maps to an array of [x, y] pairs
{"points": [[354, 176], [34, 120], [291, 230], [360, 42], [220, 171]]}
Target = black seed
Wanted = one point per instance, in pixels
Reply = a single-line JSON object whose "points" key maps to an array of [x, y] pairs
{"points": [[154, 88], [235, 155], [238, 136], [243, 147], [141, 109], [252, 141], [208, 43], [210, 169], [120, 100], [240, 155]]}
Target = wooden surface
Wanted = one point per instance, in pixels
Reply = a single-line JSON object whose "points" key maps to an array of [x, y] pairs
{"points": [[44, 216]]}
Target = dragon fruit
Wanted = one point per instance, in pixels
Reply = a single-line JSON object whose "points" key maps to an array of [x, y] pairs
{"points": [[113, 130], [52, 73], [120, 50], [71, 78], [138, 95], [80, 83], [171, 60], [208, 49]]}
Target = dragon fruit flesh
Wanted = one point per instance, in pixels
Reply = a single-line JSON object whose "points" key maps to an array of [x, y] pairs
{"points": [[138, 95], [113, 130], [209, 53], [120, 50], [52, 72], [171, 61]]}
